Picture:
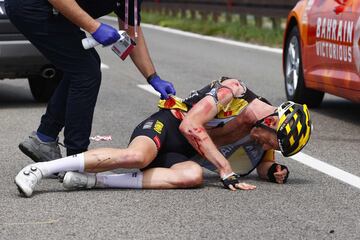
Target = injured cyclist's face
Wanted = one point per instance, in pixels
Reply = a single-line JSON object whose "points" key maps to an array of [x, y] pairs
{"points": [[264, 133]]}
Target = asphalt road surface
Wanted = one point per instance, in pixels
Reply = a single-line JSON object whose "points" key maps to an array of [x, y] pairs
{"points": [[313, 205]]}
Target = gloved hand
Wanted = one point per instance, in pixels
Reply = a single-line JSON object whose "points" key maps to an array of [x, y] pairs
{"points": [[106, 34], [278, 173], [231, 182], [162, 86]]}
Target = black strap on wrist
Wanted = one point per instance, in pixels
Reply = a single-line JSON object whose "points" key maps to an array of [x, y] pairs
{"points": [[233, 179], [272, 170], [151, 77]]}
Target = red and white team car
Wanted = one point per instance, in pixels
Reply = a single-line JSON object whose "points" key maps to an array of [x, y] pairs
{"points": [[321, 51]]}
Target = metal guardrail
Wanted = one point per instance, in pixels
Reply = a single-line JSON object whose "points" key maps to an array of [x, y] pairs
{"points": [[275, 9]]}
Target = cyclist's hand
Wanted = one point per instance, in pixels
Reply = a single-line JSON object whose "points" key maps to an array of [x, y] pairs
{"points": [[106, 34], [232, 182], [281, 174], [165, 88], [278, 173]]}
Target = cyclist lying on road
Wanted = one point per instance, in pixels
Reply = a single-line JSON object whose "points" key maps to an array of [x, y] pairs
{"points": [[225, 123]]}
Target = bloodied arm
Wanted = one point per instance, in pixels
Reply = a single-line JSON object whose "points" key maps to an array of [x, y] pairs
{"points": [[206, 109], [241, 125], [233, 130]]}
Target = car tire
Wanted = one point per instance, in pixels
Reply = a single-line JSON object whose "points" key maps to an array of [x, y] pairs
{"points": [[43, 88], [293, 73]]}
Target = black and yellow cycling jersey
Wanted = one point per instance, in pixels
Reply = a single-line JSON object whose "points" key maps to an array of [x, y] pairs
{"points": [[162, 127], [245, 154]]}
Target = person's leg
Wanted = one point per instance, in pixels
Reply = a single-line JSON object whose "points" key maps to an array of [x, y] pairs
{"points": [[72, 104], [181, 175], [141, 151], [186, 174], [71, 108], [59, 40]]}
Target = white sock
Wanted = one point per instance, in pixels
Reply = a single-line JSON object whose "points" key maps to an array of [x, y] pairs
{"points": [[71, 163], [124, 180]]}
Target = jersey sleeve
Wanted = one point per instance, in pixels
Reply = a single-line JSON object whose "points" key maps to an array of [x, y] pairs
{"points": [[269, 156], [120, 11]]}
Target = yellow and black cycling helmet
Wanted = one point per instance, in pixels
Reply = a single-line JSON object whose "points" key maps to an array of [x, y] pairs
{"points": [[294, 128]]}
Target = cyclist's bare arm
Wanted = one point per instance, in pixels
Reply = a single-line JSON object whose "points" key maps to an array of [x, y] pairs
{"points": [[193, 124], [241, 125]]}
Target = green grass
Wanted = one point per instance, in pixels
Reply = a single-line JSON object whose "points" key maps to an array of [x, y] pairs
{"points": [[230, 30]]}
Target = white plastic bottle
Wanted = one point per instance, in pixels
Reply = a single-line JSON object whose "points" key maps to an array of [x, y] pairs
{"points": [[90, 42]]}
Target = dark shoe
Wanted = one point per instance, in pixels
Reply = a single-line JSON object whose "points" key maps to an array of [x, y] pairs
{"points": [[38, 150]]}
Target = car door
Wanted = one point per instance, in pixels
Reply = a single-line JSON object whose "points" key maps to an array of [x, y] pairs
{"points": [[331, 57]]}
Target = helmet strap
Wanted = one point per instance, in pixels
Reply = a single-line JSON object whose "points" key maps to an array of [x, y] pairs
{"points": [[260, 123]]}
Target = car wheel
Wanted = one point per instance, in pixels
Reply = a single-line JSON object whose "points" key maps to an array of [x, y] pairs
{"points": [[294, 77], [42, 88]]}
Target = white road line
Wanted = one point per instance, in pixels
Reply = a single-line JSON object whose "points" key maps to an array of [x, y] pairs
{"points": [[208, 38], [328, 169], [104, 66], [303, 158]]}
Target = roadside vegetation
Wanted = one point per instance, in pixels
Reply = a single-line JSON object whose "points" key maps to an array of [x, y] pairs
{"points": [[227, 27]]}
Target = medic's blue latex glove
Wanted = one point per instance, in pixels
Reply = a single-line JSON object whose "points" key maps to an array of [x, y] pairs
{"points": [[162, 86], [106, 34]]}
